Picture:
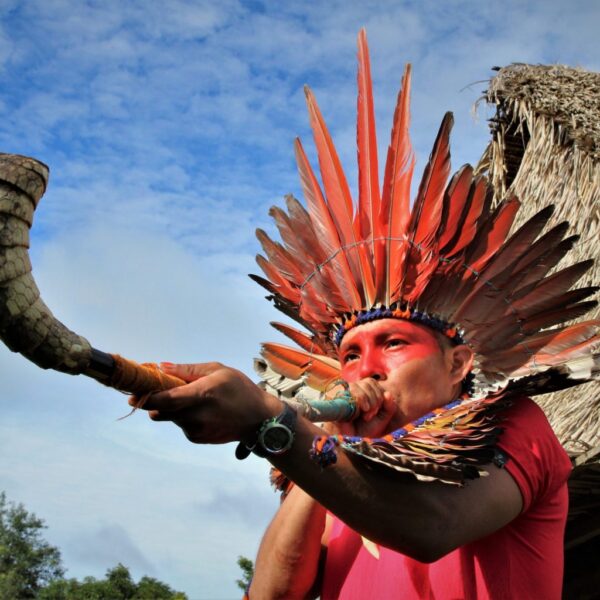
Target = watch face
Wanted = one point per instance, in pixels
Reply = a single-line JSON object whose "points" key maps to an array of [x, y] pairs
{"points": [[276, 438]]}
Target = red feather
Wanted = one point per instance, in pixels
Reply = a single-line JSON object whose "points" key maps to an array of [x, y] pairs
{"points": [[368, 172], [326, 230], [339, 201], [480, 194], [457, 201], [297, 232], [570, 354], [427, 211], [492, 234], [395, 200], [426, 215]]}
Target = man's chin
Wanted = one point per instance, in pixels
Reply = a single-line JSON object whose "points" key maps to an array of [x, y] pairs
{"points": [[397, 422]]}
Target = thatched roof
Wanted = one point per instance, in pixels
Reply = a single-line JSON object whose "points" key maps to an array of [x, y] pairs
{"points": [[570, 97], [545, 149]]}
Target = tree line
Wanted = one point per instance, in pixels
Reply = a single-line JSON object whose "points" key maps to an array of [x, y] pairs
{"points": [[32, 568]]}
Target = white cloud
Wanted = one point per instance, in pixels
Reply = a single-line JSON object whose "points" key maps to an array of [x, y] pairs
{"points": [[168, 129]]}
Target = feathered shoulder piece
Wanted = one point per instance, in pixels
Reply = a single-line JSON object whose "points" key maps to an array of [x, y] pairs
{"points": [[450, 260]]}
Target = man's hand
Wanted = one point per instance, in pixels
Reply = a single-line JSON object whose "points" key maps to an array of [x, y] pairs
{"points": [[218, 404], [376, 410]]}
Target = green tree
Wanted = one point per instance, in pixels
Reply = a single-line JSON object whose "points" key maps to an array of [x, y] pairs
{"points": [[27, 561], [247, 567], [120, 582], [149, 588], [117, 585], [31, 568]]}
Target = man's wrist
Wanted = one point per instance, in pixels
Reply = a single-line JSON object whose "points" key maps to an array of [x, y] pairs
{"points": [[273, 436]]}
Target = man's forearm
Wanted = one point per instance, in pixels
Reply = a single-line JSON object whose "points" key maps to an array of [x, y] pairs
{"points": [[288, 559], [422, 520]]}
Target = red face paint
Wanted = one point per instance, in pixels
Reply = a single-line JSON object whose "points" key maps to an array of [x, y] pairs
{"points": [[405, 358], [382, 346]]}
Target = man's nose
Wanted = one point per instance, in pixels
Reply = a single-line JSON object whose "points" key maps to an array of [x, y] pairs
{"points": [[371, 366]]}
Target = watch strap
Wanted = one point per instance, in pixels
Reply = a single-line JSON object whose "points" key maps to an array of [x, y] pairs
{"points": [[287, 417]]}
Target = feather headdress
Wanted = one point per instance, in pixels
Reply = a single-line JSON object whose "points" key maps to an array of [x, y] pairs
{"points": [[450, 263]]}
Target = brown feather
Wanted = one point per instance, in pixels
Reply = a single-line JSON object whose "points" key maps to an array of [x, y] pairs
{"points": [[553, 341], [492, 234], [544, 295], [531, 275], [513, 325]]}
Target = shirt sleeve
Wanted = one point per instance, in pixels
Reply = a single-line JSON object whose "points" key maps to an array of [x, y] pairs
{"points": [[536, 460]]}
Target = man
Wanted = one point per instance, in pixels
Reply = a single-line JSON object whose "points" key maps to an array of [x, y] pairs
{"points": [[401, 370], [438, 322]]}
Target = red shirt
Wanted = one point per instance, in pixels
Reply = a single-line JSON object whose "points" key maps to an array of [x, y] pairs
{"points": [[523, 560]]}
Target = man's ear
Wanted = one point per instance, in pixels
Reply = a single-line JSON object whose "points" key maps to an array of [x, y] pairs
{"points": [[461, 362]]}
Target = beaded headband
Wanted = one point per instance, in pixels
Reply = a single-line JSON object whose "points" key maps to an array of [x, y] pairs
{"points": [[402, 311]]}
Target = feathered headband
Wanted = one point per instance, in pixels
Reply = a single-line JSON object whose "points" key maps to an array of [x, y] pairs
{"points": [[449, 263]]}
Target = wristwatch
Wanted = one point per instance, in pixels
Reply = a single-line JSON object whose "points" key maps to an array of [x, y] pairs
{"points": [[274, 436]]}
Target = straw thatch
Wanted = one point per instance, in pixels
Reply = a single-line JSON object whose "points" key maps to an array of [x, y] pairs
{"points": [[545, 149]]}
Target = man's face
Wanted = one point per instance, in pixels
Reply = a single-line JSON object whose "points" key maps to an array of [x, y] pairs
{"points": [[406, 359]]}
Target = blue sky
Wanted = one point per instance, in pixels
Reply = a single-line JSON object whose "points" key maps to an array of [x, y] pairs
{"points": [[168, 129]]}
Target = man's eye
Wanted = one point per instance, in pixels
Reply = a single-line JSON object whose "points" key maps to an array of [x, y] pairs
{"points": [[395, 343], [349, 358]]}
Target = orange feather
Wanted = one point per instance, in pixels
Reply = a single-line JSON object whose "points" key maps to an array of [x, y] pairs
{"points": [[321, 371], [306, 342], [273, 275]]}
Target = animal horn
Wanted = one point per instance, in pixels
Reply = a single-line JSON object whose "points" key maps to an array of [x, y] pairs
{"points": [[27, 325]]}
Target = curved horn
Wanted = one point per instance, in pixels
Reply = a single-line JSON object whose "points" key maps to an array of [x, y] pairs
{"points": [[28, 326]]}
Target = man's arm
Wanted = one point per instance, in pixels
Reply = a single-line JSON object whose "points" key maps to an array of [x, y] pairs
{"points": [[423, 520], [288, 559]]}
